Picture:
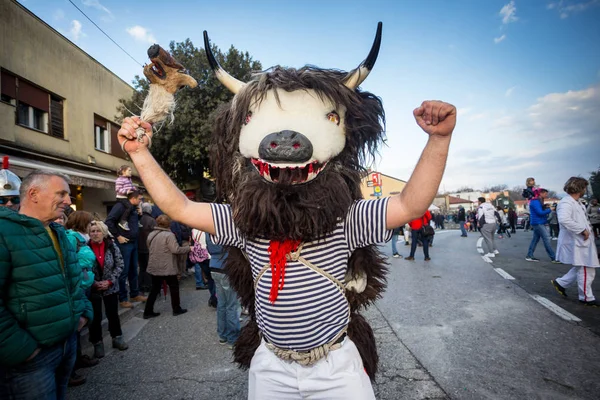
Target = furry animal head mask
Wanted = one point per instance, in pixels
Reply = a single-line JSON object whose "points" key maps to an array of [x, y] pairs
{"points": [[288, 150]]}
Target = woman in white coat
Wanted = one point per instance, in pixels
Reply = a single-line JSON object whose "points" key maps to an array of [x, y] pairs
{"points": [[576, 243]]}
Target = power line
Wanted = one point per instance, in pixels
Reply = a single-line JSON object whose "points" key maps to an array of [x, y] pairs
{"points": [[100, 29]]}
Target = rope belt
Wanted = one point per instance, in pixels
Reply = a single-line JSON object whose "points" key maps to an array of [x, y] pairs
{"points": [[308, 357]]}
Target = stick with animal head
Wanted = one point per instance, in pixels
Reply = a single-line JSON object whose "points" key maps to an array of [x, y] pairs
{"points": [[166, 77]]}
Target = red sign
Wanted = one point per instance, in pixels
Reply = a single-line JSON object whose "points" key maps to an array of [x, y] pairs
{"points": [[376, 178]]}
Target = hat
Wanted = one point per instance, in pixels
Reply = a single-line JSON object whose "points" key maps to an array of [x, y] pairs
{"points": [[9, 182]]}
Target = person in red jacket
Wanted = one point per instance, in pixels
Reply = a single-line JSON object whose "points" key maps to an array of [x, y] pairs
{"points": [[417, 234]]}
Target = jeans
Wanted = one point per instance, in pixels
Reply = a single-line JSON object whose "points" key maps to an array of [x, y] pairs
{"points": [[416, 235], [201, 267], [394, 244], [540, 231], [111, 309], [554, 230], [463, 231], [228, 309], [43, 378], [157, 281], [130, 270]]}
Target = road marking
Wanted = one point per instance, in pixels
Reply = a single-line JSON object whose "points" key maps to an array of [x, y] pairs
{"points": [[487, 259], [561, 312], [503, 273], [480, 250]]}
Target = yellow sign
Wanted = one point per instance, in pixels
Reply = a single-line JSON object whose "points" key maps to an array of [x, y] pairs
{"points": [[377, 189]]}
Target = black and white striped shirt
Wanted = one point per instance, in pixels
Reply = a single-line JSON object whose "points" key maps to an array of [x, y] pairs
{"points": [[310, 310]]}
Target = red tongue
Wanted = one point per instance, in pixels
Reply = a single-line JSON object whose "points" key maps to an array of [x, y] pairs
{"points": [[277, 252]]}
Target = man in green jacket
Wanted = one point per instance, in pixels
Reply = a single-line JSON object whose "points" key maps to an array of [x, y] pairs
{"points": [[42, 305]]}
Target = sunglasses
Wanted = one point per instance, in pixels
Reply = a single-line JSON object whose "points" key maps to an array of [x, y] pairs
{"points": [[13, 199]]}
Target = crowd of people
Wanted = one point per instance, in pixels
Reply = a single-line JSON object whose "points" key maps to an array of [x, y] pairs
{"points": [[86, 268]]}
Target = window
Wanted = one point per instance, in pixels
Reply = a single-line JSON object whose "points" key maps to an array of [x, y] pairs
{"points": [[101, 138], [32, 117], [36, 107]]}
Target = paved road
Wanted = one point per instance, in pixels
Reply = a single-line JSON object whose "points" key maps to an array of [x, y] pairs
{"points": [[481, 336], [449, 328], [535, 277], [180, 358]]}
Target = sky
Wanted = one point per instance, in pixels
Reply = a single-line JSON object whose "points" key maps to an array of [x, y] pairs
{"points": [[523, 74]]}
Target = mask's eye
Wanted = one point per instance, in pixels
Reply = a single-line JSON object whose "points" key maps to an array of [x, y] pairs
{"points": [[334, 117], [248, 118]]}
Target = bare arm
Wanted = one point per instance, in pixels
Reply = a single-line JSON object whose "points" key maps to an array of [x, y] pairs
{"points": [[163, 191], [438, 120]]}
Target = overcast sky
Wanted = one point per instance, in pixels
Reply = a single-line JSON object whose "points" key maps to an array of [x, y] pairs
{"points": [[524, 75]]}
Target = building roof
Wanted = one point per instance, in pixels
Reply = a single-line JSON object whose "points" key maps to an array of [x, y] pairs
{"points": [[457, 200]]}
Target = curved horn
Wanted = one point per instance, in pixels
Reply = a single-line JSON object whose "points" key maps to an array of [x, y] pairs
{"points": [[357, 76], [227, 80]]}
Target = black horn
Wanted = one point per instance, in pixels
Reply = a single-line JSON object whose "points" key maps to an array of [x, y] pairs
{"points": [[234, 85], [357, 76]]}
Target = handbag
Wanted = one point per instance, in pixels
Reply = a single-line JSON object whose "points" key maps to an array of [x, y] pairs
{"points": [[198, 253]]}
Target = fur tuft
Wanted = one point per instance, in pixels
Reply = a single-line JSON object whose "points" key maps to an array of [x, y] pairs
{"points": [[158, 105], [246, 345], [361, 333], [371, 261]]}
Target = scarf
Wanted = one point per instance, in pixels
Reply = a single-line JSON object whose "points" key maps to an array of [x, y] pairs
{"points": [[277, 257], [99, 249]]}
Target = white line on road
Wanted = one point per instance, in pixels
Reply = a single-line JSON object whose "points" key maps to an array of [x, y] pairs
{"points": [[561, 312], [487, 259], [503, 273]]}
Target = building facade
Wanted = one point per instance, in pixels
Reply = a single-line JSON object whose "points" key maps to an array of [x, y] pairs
{"points": [[58, 108], [389, 185]]}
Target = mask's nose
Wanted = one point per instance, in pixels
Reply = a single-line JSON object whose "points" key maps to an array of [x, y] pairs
{"points": [[290, 146]]}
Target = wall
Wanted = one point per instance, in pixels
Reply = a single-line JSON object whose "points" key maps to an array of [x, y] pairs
{"points": [[32, 50], [390, 186]]}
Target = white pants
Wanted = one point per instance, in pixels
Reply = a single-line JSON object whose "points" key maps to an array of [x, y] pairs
{"points": [[340, 376], [584, 277]]}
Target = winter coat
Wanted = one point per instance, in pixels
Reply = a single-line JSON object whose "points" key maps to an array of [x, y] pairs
{"points": [[538, 215], [113, 266], [148, 223], [163, 248], [571, 247], [461, 215], [112, 222], [41, 300], [553, 220]]}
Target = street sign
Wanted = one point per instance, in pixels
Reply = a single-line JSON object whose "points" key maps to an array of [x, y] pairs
{"points": [[376, 178], [377, 191]]}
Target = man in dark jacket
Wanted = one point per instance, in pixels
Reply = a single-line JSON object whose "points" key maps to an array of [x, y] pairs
{"points": [[42, 305], [148, 223], [127, 240], [462, 219], [538, 218]]}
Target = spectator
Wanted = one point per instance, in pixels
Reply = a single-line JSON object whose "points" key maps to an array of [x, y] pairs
{"points": [[200, 256], [107, 269], [39, 315], [395, 234], [461, 218], [228, 308], [538, 220], [78, 225], [512, 220], [162, 265], [576, 244], [9, 187], [593, 211], [486, 219], [124, 186], [553, 223], [148, 223], [418, 234], [128, 245], [502, 221]]}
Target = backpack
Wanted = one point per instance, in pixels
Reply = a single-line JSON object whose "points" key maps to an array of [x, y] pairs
{"points": [[198, 253], [85, 258], [427, 230]]}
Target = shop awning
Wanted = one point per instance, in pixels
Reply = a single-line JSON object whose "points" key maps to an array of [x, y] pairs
{"points": [[23, 166]]}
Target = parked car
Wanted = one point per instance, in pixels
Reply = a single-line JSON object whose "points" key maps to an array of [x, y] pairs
{"points": [[522, 221]]}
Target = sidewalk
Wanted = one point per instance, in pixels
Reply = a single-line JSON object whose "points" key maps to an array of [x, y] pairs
{"points": [[180, 357]]}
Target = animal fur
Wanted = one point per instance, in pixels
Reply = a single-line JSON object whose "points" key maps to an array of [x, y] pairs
{"points": [[306, 211]]}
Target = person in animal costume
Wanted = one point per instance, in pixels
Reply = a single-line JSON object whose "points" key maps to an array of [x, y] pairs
{"points": [[289, 154]]}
